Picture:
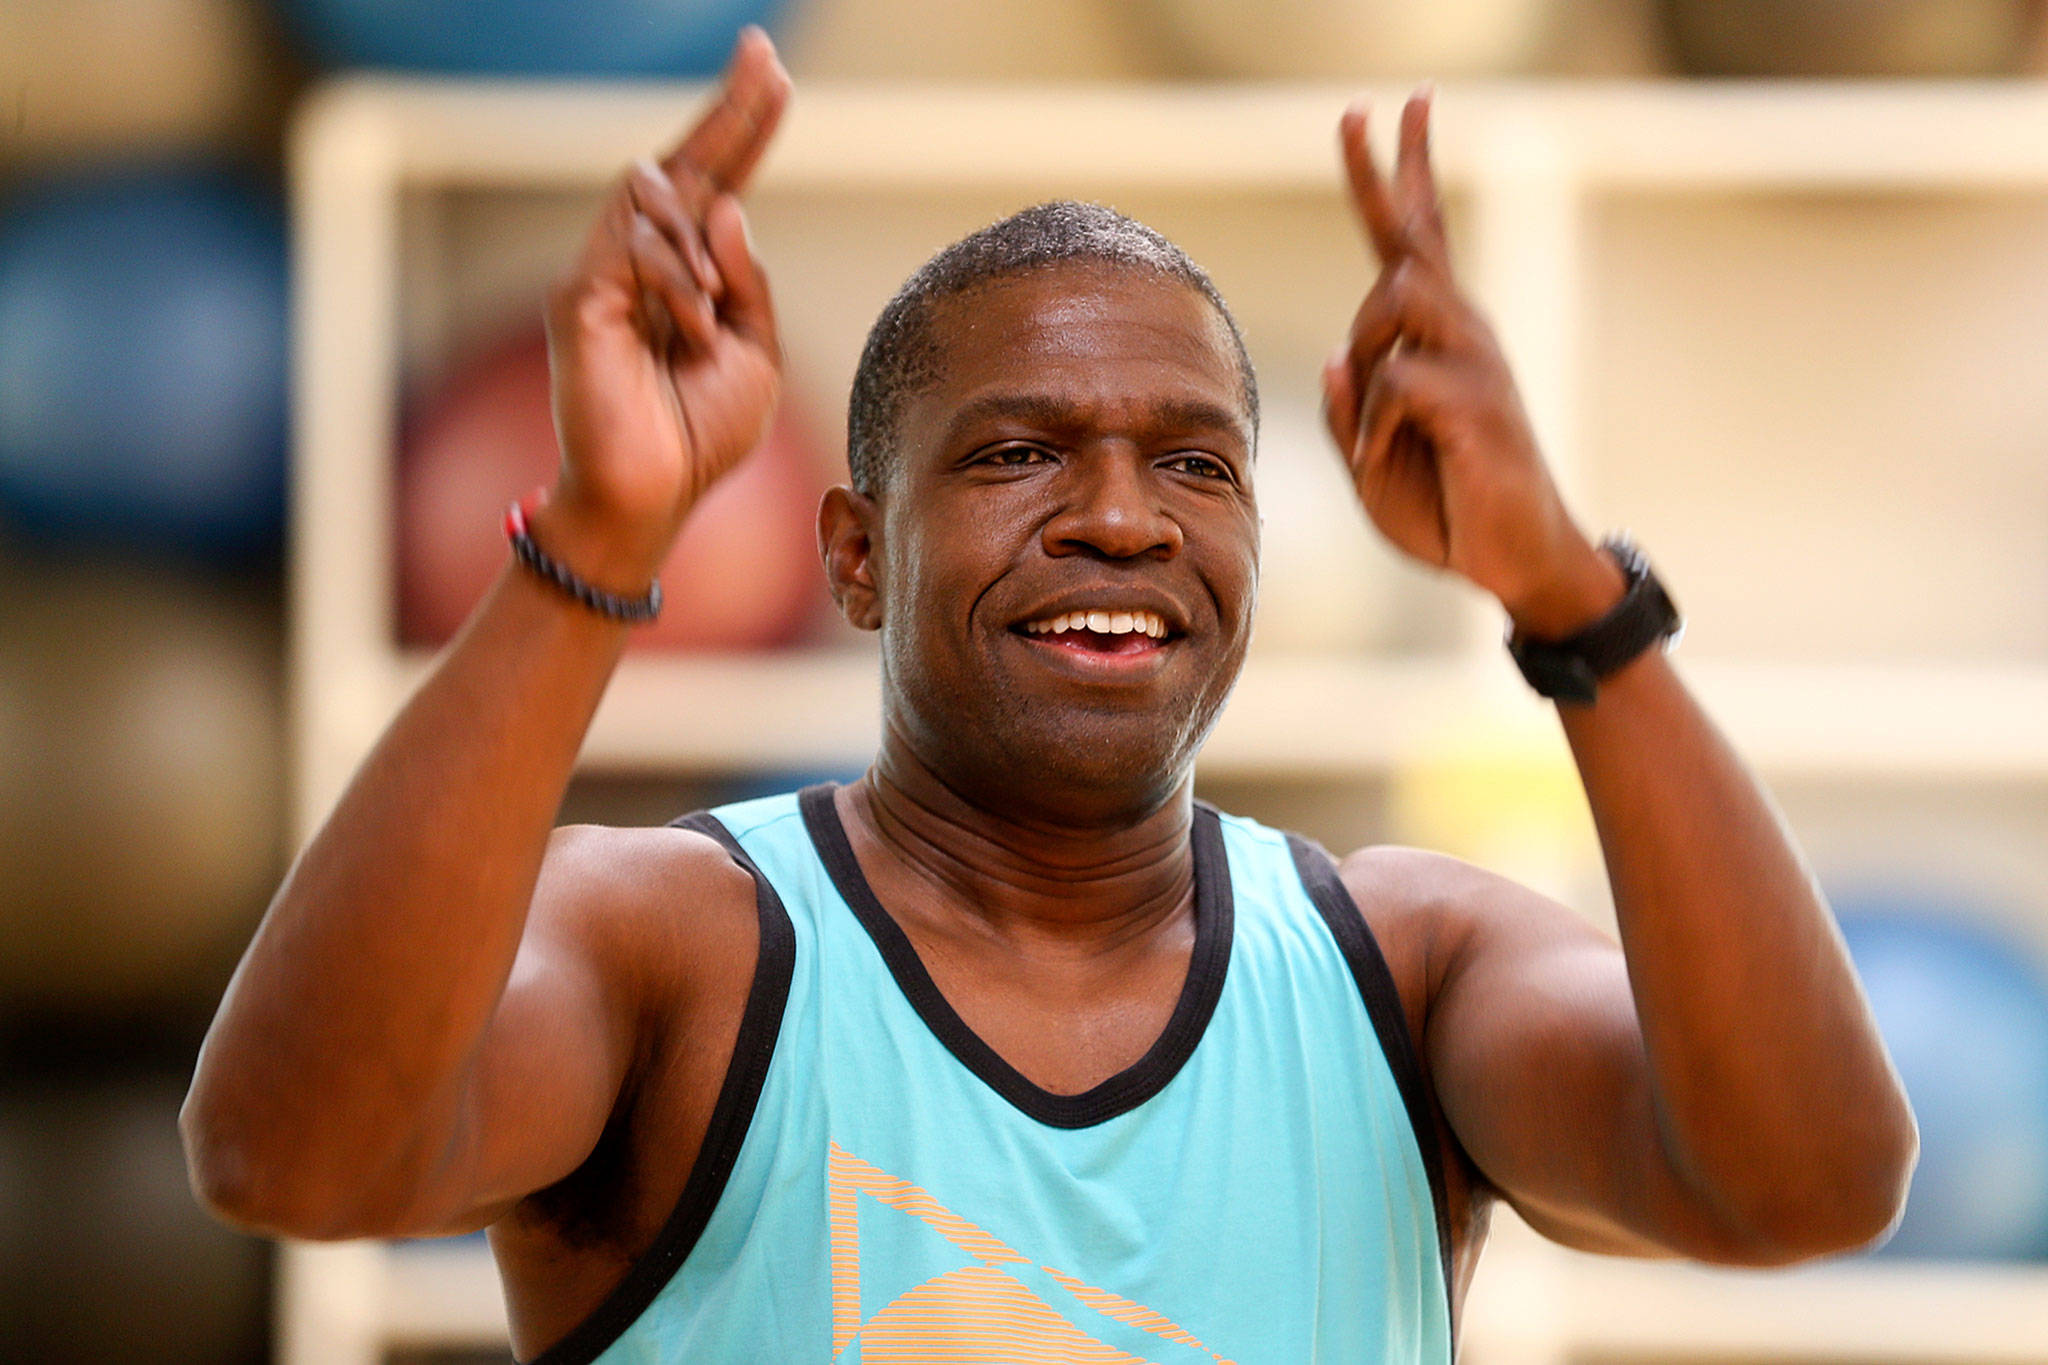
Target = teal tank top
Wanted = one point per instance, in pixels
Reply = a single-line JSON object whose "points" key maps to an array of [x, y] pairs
{"points": [[878, 1187]]}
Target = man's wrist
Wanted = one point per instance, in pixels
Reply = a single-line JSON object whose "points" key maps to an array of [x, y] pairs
{"points": [[1585, 590], [596, 553]]}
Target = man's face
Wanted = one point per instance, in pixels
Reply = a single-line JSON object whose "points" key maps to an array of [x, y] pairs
{"points": [[1068, 544]]}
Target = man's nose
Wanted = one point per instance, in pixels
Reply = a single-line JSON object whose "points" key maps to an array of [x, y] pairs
{"points": [[1113, 508]]}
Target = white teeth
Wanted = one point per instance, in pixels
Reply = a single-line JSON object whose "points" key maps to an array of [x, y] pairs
{"points": [[1102, 623]]}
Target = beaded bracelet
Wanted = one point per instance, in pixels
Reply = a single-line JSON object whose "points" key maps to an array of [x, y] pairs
{"points": [[604, 603]]}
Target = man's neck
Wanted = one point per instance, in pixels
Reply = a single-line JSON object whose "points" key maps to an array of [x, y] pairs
{"points": [[1031, 882]]}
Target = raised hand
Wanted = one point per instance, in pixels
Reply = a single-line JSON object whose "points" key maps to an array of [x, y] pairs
{"points": [[1421, 403], [661, 338]]}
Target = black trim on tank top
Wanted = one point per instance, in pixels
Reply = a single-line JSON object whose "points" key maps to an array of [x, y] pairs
{"points": [[1382, 999], [1121, 1093], [731, 1116]]}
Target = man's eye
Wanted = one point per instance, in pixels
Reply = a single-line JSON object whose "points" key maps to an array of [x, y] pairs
{"points": [[1199, 464], [1014, 455]]}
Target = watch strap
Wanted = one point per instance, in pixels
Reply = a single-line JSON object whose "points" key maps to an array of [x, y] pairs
{"points": [[1569, 670]]}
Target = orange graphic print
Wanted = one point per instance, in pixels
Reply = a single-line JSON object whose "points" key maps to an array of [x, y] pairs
{"points": [[983, 1312]]}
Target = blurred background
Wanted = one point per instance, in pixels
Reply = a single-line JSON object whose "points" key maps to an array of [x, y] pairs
{"points": [[1772, 273]]}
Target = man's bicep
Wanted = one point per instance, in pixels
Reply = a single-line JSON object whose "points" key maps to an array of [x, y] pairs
{"points": [[555, 1059], [1536, 1055], [546, 1081]]}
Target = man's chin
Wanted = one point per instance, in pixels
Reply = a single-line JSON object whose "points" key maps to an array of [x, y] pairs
{"points": [[1101, 751], [1105, 738], [1039, 741]]}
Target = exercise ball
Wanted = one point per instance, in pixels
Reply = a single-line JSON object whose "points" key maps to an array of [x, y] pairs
{"points": [[1964, 1011], [1940, 38], [142, 401], [141, 792], [744, 573], [529, 37], [1349, 39]]}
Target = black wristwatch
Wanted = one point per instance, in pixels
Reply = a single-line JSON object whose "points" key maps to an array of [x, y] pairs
{"points": [[1569, 670]]}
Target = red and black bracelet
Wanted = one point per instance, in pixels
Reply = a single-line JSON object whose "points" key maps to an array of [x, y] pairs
{"points": [[629, 609]]}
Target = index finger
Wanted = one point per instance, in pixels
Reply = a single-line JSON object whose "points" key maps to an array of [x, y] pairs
{"points": [[728, 141]]}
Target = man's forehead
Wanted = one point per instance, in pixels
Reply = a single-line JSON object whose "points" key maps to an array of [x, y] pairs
{"points": [[1078, 294], [1054, 411], [1084, 335]]}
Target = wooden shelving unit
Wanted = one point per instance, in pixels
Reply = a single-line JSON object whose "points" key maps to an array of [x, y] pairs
{"points": [[1247, 178]]}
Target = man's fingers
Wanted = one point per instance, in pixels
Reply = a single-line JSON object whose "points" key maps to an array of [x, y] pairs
{"points": [[1340, 400], [1380, 319], [1405, 217], [1369, 194], [747, 308], [1380, 415], [728, 141], [654, 195], [1405, 391], [659, 270], [1412, 305], [1421, 210]]}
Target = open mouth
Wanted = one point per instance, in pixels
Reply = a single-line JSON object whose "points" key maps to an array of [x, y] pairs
{"points": [[1101, 633]]}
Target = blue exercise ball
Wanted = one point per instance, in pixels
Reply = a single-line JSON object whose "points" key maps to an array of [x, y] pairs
{"points": [[529, 37], [1964, 1011], [143, 386]]}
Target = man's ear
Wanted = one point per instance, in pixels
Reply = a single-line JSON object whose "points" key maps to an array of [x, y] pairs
{"points": [[847, 526]]}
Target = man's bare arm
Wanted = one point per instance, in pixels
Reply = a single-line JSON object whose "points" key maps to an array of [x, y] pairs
{"points": [[404, 1045], [1715, 1086]]}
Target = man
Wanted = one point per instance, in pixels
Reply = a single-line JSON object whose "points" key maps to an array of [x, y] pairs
{"points": [[1012, 1050]]}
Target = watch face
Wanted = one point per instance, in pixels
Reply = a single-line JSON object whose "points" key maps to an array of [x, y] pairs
{"points": [[1575, 681], [1556, 673]]}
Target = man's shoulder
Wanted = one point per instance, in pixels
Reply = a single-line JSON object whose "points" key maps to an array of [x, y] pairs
{"points": [[1403, 893], [1398, 879], [641, 898], [1399, 884], [1434, 914], [1420, 906], [621, 866]]}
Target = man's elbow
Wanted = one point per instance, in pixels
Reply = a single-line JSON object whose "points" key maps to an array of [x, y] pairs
{"points": [[1870, 1196], [1854, 1208], [245, 1186]]}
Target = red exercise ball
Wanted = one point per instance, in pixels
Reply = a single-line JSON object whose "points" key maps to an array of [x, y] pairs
{"points": [[744, 573]]}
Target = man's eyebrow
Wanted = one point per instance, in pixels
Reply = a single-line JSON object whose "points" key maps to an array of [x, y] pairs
{"points": [[1039, 410], [1053, 414]]}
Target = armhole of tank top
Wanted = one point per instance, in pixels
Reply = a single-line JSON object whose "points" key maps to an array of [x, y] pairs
{"points": [[1318, 872], [731, 1116]]}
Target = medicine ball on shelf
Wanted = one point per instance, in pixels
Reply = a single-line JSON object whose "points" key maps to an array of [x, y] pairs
{"points": [[143, 317]]}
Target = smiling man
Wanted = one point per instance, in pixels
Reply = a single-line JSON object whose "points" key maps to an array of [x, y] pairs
{"points": [[1012, 1050]]}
